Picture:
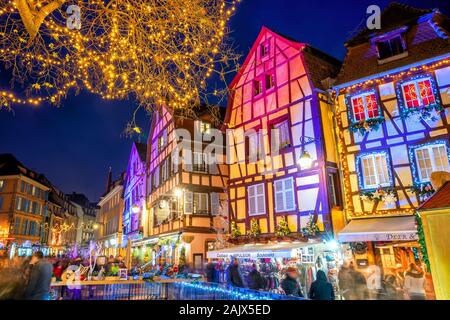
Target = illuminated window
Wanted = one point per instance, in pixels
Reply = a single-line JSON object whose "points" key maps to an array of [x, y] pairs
{"points": [[2, 184], [205, 127], [284, 195], [430, 159], [375, 171], [418, 93], [365, 106], [200, 203], [257, 87], [256, 200]]}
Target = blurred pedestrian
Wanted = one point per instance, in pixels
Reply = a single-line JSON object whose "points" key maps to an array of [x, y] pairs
{"points": [[255, 281], [346, 281], [415, 283], [38, 287], [374, 283], [234, 277], [321, 288], [290, 284]]}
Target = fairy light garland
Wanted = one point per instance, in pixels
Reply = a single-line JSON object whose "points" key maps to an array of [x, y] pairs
{"points": [[137, 54]]}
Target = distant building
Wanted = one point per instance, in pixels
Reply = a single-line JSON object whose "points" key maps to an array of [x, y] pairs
{"points": [[86, 213], [109, 217], [23, 206]]}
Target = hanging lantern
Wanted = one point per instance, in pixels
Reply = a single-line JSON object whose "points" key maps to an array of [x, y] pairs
{"points": [[305, 161]]}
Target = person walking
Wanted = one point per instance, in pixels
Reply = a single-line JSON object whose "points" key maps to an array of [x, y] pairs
{"points": [[234, 277], [360, 284], [290, 283], [38, 287], [346, 281], [255, 281], [415, 283], [321, 288], [374, 283]]}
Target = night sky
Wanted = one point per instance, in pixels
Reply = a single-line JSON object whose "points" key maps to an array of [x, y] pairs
{"points": [[76, 144]]}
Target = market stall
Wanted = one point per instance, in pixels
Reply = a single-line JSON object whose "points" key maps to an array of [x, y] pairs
{"points": [[273, 259]]}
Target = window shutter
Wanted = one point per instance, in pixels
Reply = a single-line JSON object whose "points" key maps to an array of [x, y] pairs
{"points": [[261, 206], [188, 201], [251, 200], [289, 194], [279, 201], [215, 204]]}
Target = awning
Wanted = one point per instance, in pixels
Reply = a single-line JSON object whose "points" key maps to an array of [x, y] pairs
{"points": [[380, 229], [261, 251]]}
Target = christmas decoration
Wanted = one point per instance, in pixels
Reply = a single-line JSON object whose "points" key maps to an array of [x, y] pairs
{"points": [[422, 243], [255, 229], [311, 229], [235, 232], [423, 191], [157, 52], [282, 228], [367, 125], [387, 196]]}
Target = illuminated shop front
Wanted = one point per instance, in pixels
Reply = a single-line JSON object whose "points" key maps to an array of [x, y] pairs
{"points": [[273, 259]]}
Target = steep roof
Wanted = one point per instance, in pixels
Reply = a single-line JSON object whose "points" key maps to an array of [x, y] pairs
{"points": [[440, 200], [142, 150], [427, 36], [9, 165]]}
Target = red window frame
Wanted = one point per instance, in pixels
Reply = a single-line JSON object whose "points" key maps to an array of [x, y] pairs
{"points": [[364, 106], [418, 93]]}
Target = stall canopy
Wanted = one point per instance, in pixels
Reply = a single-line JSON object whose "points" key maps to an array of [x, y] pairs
{"points": [[380, 229], [256, 251]]}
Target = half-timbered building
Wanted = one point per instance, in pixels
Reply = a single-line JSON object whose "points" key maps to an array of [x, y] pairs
{"points": [[282, 153], [393, 94], [186, 181]]}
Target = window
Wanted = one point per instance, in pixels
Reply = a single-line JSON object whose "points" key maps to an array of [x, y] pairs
{"points": [[256, 200], [391, 47], [365, 106], [255, 146], [205, 127], [200, 203], [375, 171], [2, 184], [156, 177], [200, 162], [418, 93], [284, 195], [270, 81], [264, 49], [162, 140], [430, 159], [1, 203], [17, 226], [257, 87], [282, 135], [333, 189], [165, 171]]}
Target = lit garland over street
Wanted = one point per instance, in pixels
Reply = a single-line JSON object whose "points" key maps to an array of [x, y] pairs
{"points": [[157, 52]]}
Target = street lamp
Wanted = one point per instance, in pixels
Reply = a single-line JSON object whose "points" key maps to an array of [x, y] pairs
{"points": [[135, 209], [305, 161]]}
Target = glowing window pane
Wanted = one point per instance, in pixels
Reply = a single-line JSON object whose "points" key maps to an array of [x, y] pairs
{"points": [[358, 108]]}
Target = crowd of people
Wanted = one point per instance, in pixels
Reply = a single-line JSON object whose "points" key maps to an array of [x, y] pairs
{"points": [[352, 284]]}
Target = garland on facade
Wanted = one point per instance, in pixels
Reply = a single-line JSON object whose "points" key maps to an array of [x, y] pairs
{"points": [[311, 229], [387, 196], [282, 228], [431, 112], [235, 232], [255, 229], [422, 242], [365, 126]]}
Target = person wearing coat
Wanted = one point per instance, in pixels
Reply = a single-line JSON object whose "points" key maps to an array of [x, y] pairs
{"points": [[290, 284], [415, 283], [38, 287], [234, 277], [321, 289], [255, 281]]}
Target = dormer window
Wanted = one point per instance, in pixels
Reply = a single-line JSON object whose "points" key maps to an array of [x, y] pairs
{"points": [[205, 127], [390, 47]]}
